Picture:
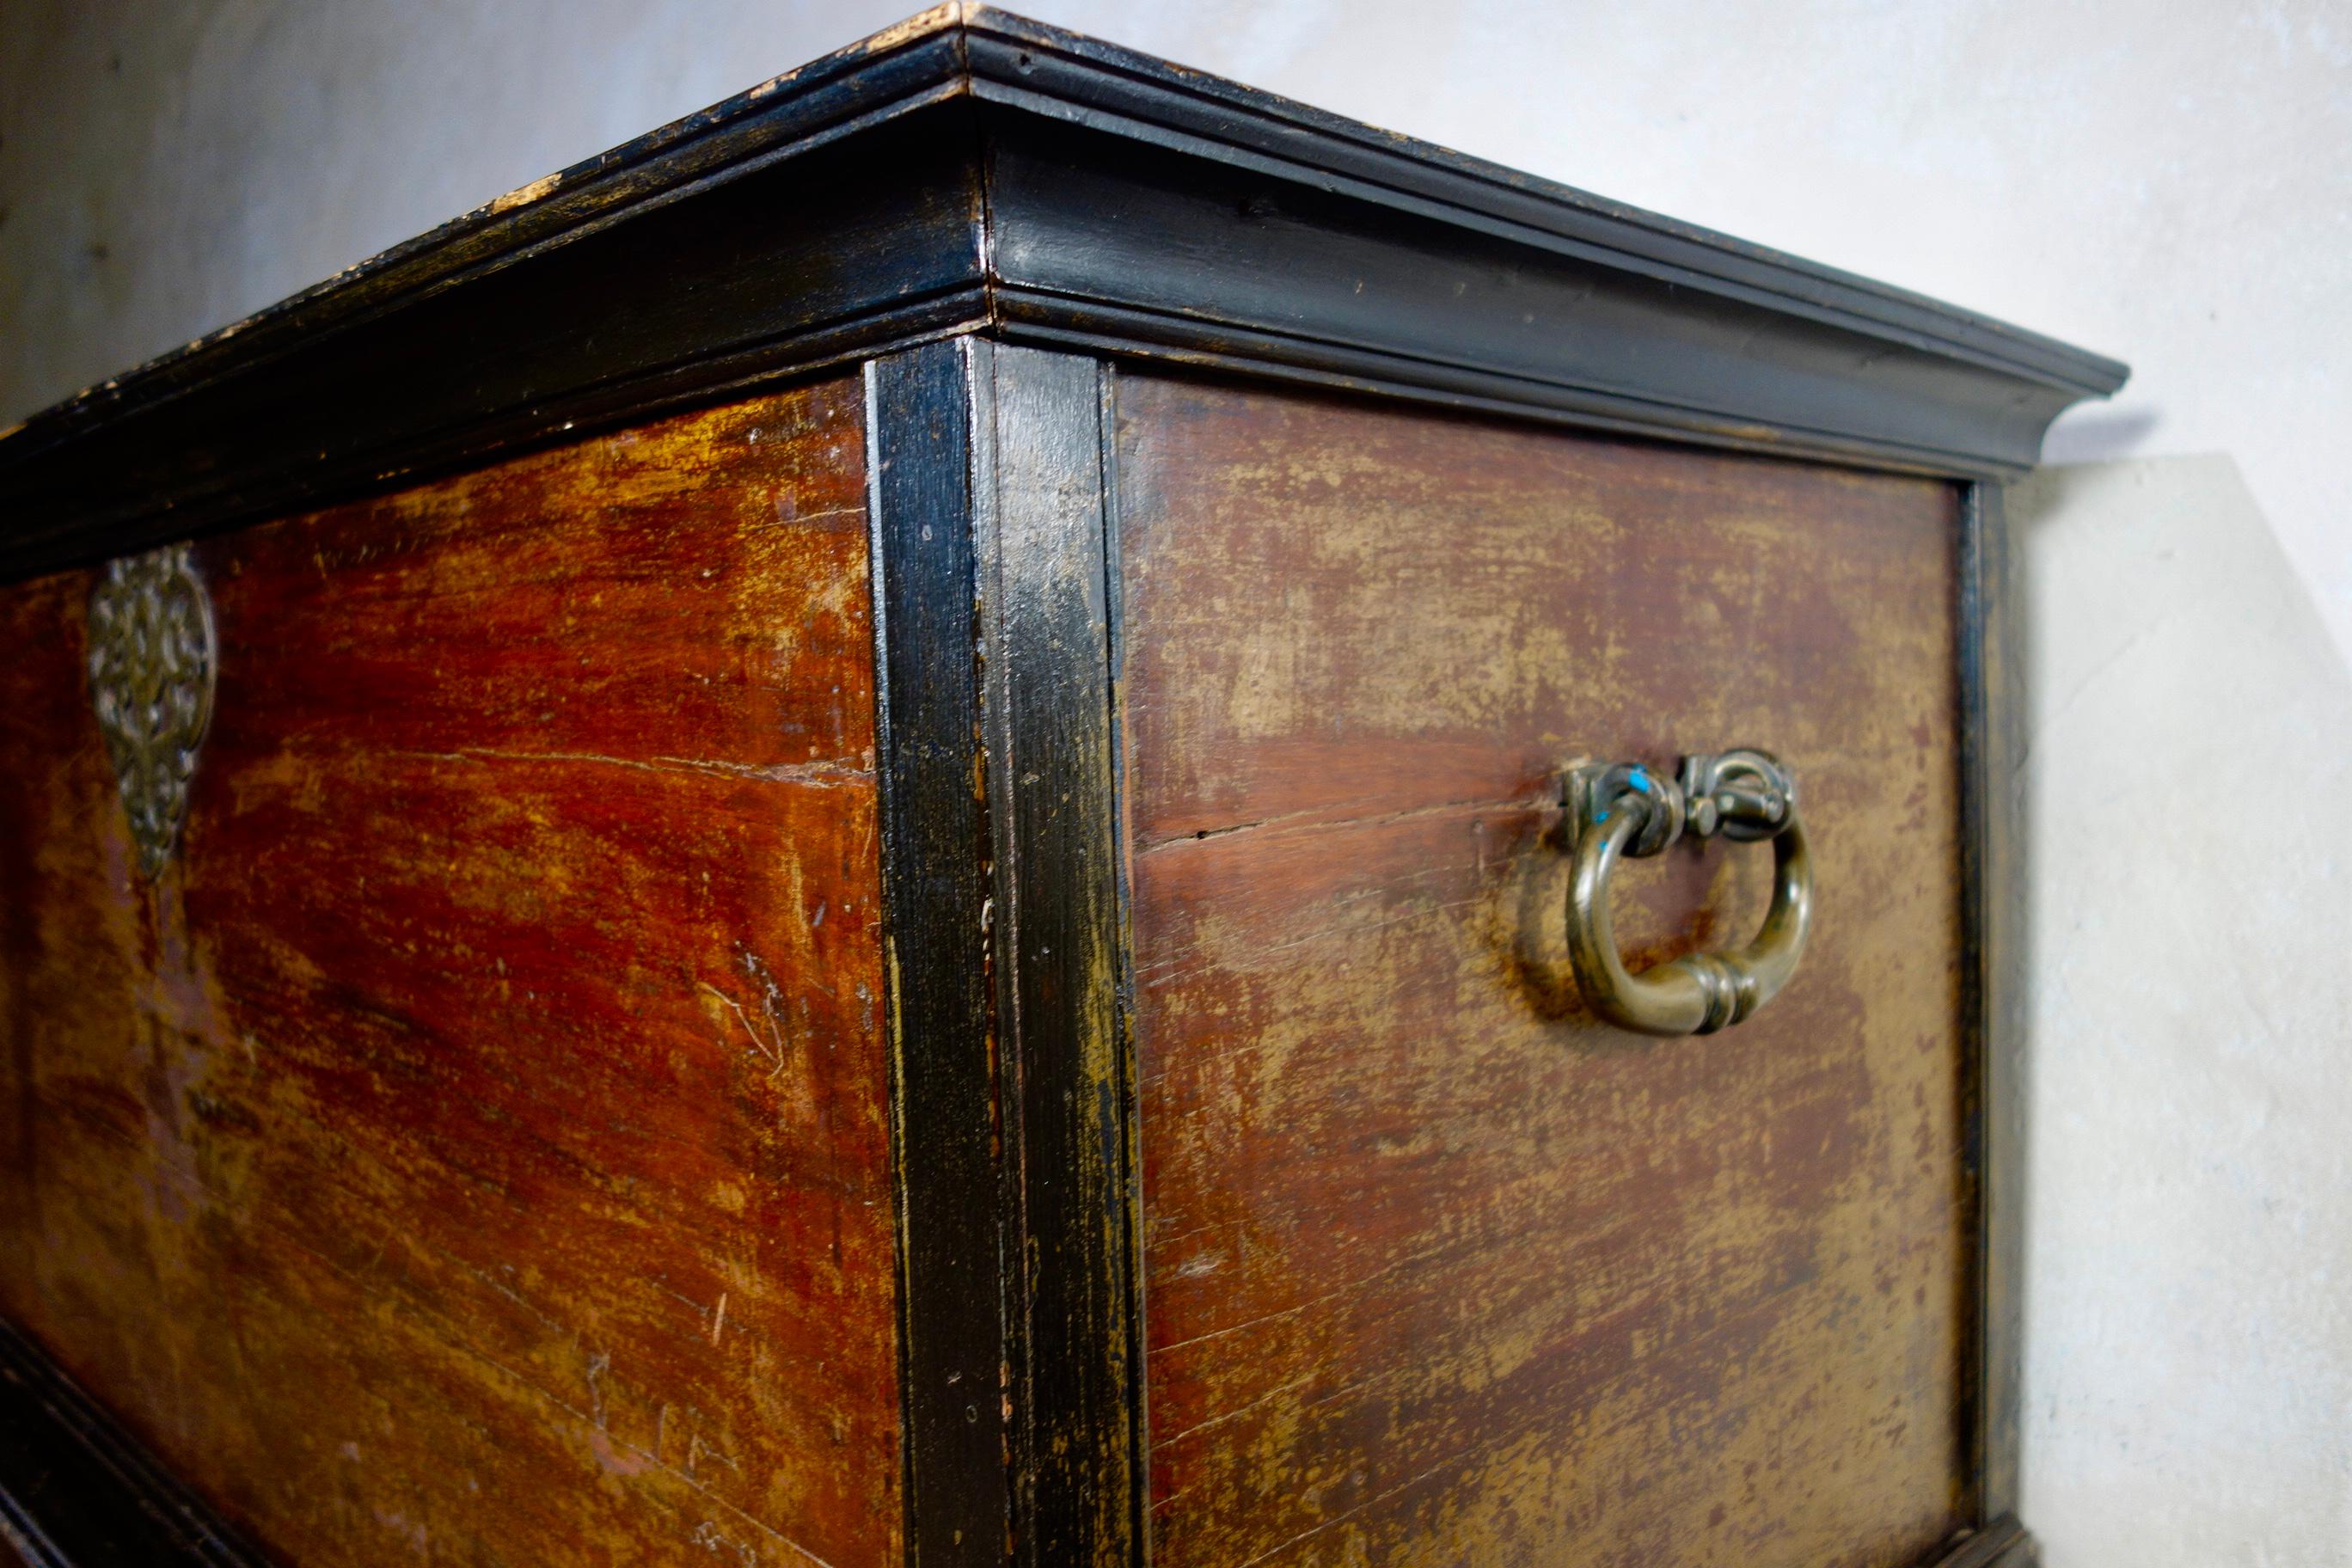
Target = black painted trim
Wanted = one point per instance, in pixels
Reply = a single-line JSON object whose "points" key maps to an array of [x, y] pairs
{"points": [[1129, 239], [2001, 1543], [779, 267], [76, 1491], [1991, 660], [1078, 1458], [1012, 1084], [1138, 1404], [972, 171], [1070, 77], [923, 409]]}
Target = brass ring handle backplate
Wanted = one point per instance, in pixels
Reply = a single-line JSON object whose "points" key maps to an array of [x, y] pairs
{"points": [[1620, 809]]}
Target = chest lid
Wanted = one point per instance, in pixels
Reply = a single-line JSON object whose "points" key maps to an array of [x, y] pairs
{"points": [[972, 171]]}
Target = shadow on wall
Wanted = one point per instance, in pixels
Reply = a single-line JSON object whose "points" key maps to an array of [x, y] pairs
{"points": [[2187, 1395], [2100, 432]]}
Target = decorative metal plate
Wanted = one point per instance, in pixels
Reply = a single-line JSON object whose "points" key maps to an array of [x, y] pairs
{"points": [[150, 679]]}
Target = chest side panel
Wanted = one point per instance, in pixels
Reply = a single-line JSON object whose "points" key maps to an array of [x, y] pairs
{"points": [[1438, 1268], [473, 1146]]}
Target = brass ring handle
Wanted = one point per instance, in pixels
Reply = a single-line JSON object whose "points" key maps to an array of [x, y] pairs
{"points": [[1622, 809]]}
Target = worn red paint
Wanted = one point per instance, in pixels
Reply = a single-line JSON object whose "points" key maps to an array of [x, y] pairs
{"points": [[1437, 1269], [474, 1147]]}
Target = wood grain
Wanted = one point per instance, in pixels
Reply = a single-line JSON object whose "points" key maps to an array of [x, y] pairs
{"points": [[1437, 1268], [1056, 931], [474, 1147], [928, 406]]}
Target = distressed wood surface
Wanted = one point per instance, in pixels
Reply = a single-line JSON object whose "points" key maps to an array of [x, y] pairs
{"points": [[474, 1147], [1056, 924], [953, 1227], [1438, 1270]]}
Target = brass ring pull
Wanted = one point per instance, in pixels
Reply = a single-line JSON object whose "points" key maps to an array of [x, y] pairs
{"points": [[1622, 809]]}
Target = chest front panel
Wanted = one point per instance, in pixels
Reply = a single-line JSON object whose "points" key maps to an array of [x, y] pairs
{"points": [[472, 1145], [1437, 1268]]}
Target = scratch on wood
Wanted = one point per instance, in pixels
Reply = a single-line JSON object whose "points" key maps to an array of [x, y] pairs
{"points": [[533, 743], [1431, 1262], [820, 774]]}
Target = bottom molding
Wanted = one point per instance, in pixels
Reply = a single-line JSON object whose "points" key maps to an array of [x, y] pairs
{"points": [[2003, 1544], [76, 1491]]}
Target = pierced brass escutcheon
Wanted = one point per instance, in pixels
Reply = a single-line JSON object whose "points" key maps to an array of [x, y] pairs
{"points": [[1620, 809], [150, 682]]}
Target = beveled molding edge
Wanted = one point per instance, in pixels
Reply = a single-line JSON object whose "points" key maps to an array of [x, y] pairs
{"points": [[905, 189], [2003, 1544], [78, 1490]]}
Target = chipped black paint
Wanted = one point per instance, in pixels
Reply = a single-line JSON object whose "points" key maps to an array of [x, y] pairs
{"points": [[977, 171]]}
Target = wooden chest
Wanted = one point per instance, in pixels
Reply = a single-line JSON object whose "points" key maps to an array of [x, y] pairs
{"points": [[881, 833]]}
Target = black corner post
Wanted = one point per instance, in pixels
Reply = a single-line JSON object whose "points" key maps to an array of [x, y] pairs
{"points": [[1012, 1074]]}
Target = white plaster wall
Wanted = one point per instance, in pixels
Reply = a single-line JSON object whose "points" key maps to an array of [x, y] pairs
{"points": [[2188, 1362], [2167, 182]]}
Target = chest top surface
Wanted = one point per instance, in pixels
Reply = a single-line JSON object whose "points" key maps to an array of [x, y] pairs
{"points": [[970, 171]]}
